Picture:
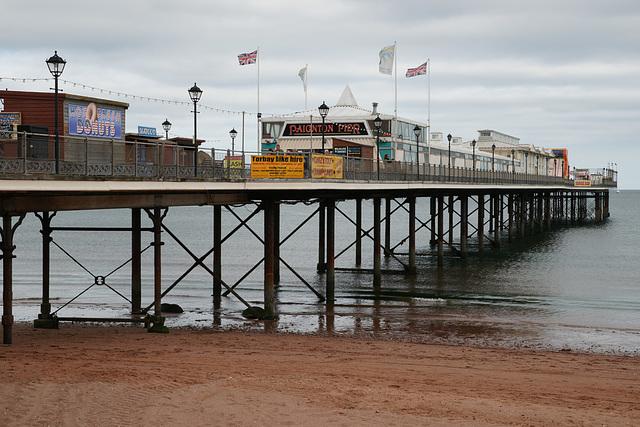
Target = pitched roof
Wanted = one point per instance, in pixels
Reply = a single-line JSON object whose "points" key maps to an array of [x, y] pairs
{"points": [[346, 99]]}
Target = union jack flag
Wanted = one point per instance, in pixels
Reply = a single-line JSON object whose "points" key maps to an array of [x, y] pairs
{"points": [[248, 58], [418, 71]]}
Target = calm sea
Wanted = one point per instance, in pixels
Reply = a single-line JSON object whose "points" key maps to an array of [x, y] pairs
{"points": [[574, 288]]}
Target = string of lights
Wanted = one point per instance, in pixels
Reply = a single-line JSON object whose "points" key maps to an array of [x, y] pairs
{"points": [[127, 95]]}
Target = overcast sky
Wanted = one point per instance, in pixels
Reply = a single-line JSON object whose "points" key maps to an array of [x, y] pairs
{"points": [[557, 74]]}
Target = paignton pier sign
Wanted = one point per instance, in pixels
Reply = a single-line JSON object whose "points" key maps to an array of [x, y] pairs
{"points": [[331, 129]]}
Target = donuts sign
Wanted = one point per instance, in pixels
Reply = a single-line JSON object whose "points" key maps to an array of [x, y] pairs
{"points": [[89, 120]]}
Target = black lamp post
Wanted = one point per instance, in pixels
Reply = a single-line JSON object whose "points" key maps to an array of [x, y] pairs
{"points": [[324, 110], [233, 133], [493, 158], [555, 167], [513, 161], [526, 162], [449, 168], [166, 125], [377, 122], [56, 67], [195, 93], [473, 156], [537, 164], [417, 131]]}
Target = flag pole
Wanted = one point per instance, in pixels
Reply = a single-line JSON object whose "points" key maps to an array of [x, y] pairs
{"points": [[428, 110], [306, 73], [310, 135], [395, 90], [259, 115]]}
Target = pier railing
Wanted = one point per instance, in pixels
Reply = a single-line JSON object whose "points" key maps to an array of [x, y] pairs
{"points": [[24, 154]]}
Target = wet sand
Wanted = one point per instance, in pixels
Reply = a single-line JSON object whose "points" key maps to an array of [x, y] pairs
{"points": [[100, 375]]}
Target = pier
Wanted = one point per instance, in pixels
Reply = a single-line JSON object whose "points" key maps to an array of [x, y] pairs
{"points": [[451, 210]]}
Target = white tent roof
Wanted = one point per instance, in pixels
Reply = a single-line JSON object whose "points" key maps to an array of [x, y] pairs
{"points": [[347, 99], [345, 109]]}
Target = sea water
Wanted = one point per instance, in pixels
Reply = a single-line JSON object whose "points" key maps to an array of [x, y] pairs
{"points": [[574, 288]]}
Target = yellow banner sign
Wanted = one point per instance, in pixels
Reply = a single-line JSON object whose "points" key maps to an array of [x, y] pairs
{"points": [[582, 183], [277, 166], [328, 167], [235, 166]]}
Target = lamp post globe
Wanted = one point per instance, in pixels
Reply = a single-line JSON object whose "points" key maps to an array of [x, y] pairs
{"points": [[195, 93], [56, 67], [323, 110]]}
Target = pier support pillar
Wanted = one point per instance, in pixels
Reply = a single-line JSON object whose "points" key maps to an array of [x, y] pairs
{"points": [[387, 227], [412, 234], [598, 208], [492, 213], [573, 207], [358, 231], [269, 258], [217, 255], [464, 225], [440, 231], [7, 231], [276, 243], [321, 236], [532, 214], [45, 320], [510, 210], [522, 220], [377, 265], [501, 210], [540, 212], [136, 260], [331, 250], [450, 225], [157, 319], [605, 211], [432, 217], [480, 222], [547, 211], [496, 220]]}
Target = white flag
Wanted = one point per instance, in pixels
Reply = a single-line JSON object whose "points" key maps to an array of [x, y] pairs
{"points": [[303, 75], [386, 60]]}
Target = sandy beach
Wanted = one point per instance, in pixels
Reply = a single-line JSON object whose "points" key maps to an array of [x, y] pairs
{"points": [[114, 375]]}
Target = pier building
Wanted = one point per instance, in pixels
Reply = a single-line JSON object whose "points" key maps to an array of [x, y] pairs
{"points": [[351, 131]]}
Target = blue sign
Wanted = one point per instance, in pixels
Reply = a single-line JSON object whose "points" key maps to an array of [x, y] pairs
{"points": [[145, 131]]}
